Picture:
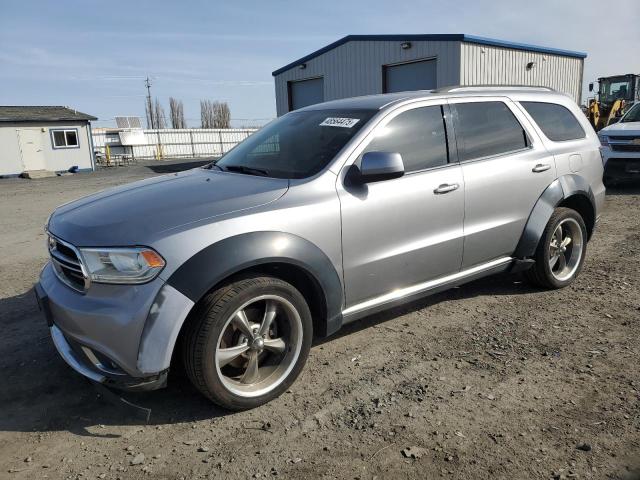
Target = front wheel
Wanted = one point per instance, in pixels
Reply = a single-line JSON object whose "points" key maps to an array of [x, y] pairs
{"points": [[561, 250], [248, 342]]}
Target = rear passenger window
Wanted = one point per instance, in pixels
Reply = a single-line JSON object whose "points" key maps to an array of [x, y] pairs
{"points": [[555, 121], [488, 128], [418, 135]]}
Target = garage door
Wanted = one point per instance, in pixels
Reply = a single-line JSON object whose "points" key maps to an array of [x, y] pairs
{"points": [[419, 75], [305, 92]]}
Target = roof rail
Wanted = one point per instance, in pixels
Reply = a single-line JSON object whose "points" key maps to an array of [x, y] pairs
{"points": [[471, 88]]}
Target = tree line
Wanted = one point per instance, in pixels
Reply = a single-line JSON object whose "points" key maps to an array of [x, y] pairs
{"points": [[212, 114]]}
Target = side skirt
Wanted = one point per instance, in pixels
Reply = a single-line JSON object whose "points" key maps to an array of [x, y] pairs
{"points": [[408, 294]]}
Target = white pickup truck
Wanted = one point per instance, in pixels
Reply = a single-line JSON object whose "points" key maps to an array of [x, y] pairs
{"points": [[621, 148]]}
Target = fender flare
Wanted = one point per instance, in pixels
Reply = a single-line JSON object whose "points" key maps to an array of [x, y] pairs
{"points": [[560, 189], [213, 264]]}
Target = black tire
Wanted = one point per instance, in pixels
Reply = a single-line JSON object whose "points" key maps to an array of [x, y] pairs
{"points": [[208, 324], [541, 274]]}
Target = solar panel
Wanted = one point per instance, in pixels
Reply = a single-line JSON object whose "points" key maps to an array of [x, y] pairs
{"points": [[128, 122]]}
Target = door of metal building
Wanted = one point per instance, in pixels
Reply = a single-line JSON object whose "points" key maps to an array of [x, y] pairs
{"points": [[32, 149], [305, 92], [418, 75]]}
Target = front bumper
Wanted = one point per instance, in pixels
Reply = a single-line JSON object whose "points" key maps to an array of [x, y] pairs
{"points": [[620, 166], [91, 364], [121, 336], [95, 373]]}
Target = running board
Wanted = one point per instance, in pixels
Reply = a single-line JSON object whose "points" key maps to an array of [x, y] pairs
{"points": [[421, 289]]}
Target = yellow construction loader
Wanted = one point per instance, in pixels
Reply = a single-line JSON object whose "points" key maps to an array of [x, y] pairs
{"points": [[614, 97]]}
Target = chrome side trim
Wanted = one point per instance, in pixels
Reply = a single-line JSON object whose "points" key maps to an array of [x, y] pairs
{"points": [[69, 356], [425, 286]]}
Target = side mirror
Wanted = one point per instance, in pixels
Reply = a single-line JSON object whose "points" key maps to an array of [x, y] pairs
{"points": [[591, 87], [376, 166], [614, 120]]}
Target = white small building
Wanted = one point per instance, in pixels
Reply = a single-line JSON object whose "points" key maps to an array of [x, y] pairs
{"points": [[368, 64], [44, 138]]}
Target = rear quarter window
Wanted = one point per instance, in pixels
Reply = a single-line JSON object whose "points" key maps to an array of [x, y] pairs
{"points": [[555, 121]]}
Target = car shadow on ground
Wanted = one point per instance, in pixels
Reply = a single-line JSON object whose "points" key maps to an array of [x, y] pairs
{"points": [[627, 188], [41, 393], [499, 284]]}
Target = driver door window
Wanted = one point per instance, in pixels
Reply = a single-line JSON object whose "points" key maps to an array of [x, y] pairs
{"points": [[418, 135]]}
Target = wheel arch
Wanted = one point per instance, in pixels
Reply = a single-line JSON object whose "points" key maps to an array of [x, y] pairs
{"points": [[570, 191], [282, 255], [581, 204]]}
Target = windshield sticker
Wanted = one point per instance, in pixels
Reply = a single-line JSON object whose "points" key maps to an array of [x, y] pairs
{"points": [[339, 122]]}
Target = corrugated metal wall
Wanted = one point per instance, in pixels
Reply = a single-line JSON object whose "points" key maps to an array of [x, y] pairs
{"points": [[482, 64], [355, 68]]}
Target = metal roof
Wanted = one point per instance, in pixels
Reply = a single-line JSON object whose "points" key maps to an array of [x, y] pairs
{"points": [[453, 37], [14, 113]]}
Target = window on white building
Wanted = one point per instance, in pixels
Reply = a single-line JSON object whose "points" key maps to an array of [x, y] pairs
{"points": [[65, 138]]}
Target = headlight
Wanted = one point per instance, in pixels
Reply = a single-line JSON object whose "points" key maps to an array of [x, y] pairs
{"points": [[604, 140], [121, 265]]}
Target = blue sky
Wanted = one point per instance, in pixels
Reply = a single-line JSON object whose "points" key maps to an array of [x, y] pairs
{"points": [[94, 55]]}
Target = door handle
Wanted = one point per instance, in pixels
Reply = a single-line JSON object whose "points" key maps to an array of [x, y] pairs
{"points": [[541, 167], [446, 188]]}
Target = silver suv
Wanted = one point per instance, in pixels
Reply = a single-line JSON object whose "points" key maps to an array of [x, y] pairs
{"points": [[326, 215]]}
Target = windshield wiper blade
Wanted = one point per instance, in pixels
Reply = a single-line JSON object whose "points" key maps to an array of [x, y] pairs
{"points": [[212, 165], [248, 170]]}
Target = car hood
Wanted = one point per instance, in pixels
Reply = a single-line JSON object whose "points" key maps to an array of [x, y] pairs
{"points": [[135, 214], [626, 128]]}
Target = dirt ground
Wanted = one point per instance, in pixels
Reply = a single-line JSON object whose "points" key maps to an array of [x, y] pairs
{"points": [[490, 380]]}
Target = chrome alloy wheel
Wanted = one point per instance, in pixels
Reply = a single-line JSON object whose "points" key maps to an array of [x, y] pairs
{"points": [[565, 249], [258, 346]]}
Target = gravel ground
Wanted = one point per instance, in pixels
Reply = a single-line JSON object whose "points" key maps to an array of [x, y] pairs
{"points": [[490, 380]]}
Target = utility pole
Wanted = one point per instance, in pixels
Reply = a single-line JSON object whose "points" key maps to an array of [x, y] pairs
{"points": [[147, 83], [155, 124]]}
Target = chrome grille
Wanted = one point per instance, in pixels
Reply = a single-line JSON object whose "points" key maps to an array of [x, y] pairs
{"points": [[67, 264]]}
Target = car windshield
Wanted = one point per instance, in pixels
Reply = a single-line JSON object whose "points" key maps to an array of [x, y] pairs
{"points": [[632, 115], [297, 145]]}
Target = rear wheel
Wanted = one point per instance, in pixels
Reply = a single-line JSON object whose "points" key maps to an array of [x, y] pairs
{"points": [[561, 250], [248, 342]]}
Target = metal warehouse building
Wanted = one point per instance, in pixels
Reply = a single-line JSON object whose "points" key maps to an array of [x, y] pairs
{"points": [[44, 139], [369, 64]]}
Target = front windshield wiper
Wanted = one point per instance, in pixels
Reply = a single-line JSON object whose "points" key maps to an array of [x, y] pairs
{"points": [[211, 165], [244, 169]]}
